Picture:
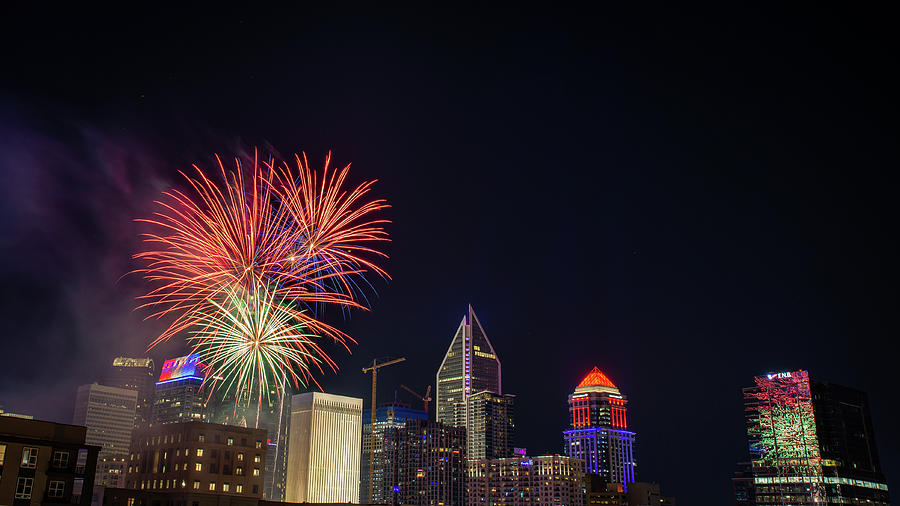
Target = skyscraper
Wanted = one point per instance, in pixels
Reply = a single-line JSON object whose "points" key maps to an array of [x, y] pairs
{"points": [[179, 396], [432, 459], [135, 374], [108, 414], [388, 419], [469, 366], [490, 425], [810, 443], [598, 432], [323, 457]]}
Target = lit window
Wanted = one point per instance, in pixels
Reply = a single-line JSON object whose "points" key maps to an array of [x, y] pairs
{"points": [[255, 471], [130, 501], [196, 485], [56, 488], [198, 467], [239, 471], [23, 488], [239, 488], [230, 441], [29, 459], [201, 438], [212, 486], [199, 452], [257, 458], [2, 454], [259, 444], [177, 452], [240, 457], [226, 487]]}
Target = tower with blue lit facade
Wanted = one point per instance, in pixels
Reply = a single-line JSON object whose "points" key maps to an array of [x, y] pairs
{"points": [[598, 429]]}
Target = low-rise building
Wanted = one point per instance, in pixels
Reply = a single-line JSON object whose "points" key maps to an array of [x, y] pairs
{"points": [[198, 457], [45, 463], [546, 479]]}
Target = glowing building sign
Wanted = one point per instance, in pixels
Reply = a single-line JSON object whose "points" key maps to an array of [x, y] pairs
{"points": [[181, 368]]}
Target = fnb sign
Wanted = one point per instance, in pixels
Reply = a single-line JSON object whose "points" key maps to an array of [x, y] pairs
{"points": [[779, 375]]}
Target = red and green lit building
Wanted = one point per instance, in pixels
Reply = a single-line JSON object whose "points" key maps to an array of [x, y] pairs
{"points": [[598, 429], [810, 443]]}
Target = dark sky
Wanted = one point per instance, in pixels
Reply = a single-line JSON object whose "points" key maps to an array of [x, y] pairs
{"points": [[684, 198]]}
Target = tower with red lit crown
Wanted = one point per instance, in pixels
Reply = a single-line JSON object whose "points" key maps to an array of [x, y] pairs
{"points": [[598, 429]]}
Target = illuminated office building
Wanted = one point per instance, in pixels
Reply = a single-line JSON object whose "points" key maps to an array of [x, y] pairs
{"points": [[469, 366], [810, 443], [490, 425], [597, 433], [432, 459], [179, 392], [324, 452], [384, 435], [135, 374], [108, 415], [525, 481]]}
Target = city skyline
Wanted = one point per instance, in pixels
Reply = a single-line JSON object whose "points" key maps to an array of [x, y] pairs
{"points": [[683, 197]]}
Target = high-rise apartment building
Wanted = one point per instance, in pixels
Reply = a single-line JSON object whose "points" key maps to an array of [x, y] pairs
{"points": [[324, 453], [597, 433], [490, 426], [198, 457], [135, 374], [469, 366], [432, 459], [179, 393], [525, 481], [810, 443], [388, 420], [45, 463], [108, 414]]}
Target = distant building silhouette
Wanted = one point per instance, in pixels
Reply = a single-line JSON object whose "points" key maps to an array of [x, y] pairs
{"points": [[108, 414], [139, 375], [179, 393]]}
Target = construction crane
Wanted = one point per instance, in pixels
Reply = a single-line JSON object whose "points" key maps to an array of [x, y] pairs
{"points": [[424, 398], [374, 368]]}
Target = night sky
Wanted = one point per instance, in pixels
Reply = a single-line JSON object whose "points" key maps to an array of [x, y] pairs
{"points": [[684, 198]]}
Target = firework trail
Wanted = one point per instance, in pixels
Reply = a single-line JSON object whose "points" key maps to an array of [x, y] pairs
{"points": [[243, 261]]}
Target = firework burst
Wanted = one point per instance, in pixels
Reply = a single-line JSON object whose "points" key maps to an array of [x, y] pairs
{"points": [[246, 258]]}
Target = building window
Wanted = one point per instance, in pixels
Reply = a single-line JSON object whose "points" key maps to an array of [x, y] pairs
{"points": [[230, 441], [29, 459], [240, 457], [259, 444], [255, 489], [196, 485], [257, 458], [201, 438], [56, 488], [215, 454], [2, 454], [212, 486], [60, 459], [243, 441], [226, 487], [198, 467], [239, 488], [199, 452], [255, 471], [227, 455], [213, 468], [130, 501], [239, 471], [23, 488]]}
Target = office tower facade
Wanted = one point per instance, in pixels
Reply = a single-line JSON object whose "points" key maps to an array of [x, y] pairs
{"points": [[388, 421], [432, 458], [274, 416], [521, 481], [108, 414], [324, 453], [135, 374], [198, 457], [45, 462], [490, 425], [811, 443], [179, 395], [597, 433], [469, 366]]}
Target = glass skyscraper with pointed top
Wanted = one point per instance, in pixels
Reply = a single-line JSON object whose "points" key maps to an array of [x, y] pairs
{"points": [[469, 366]]}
